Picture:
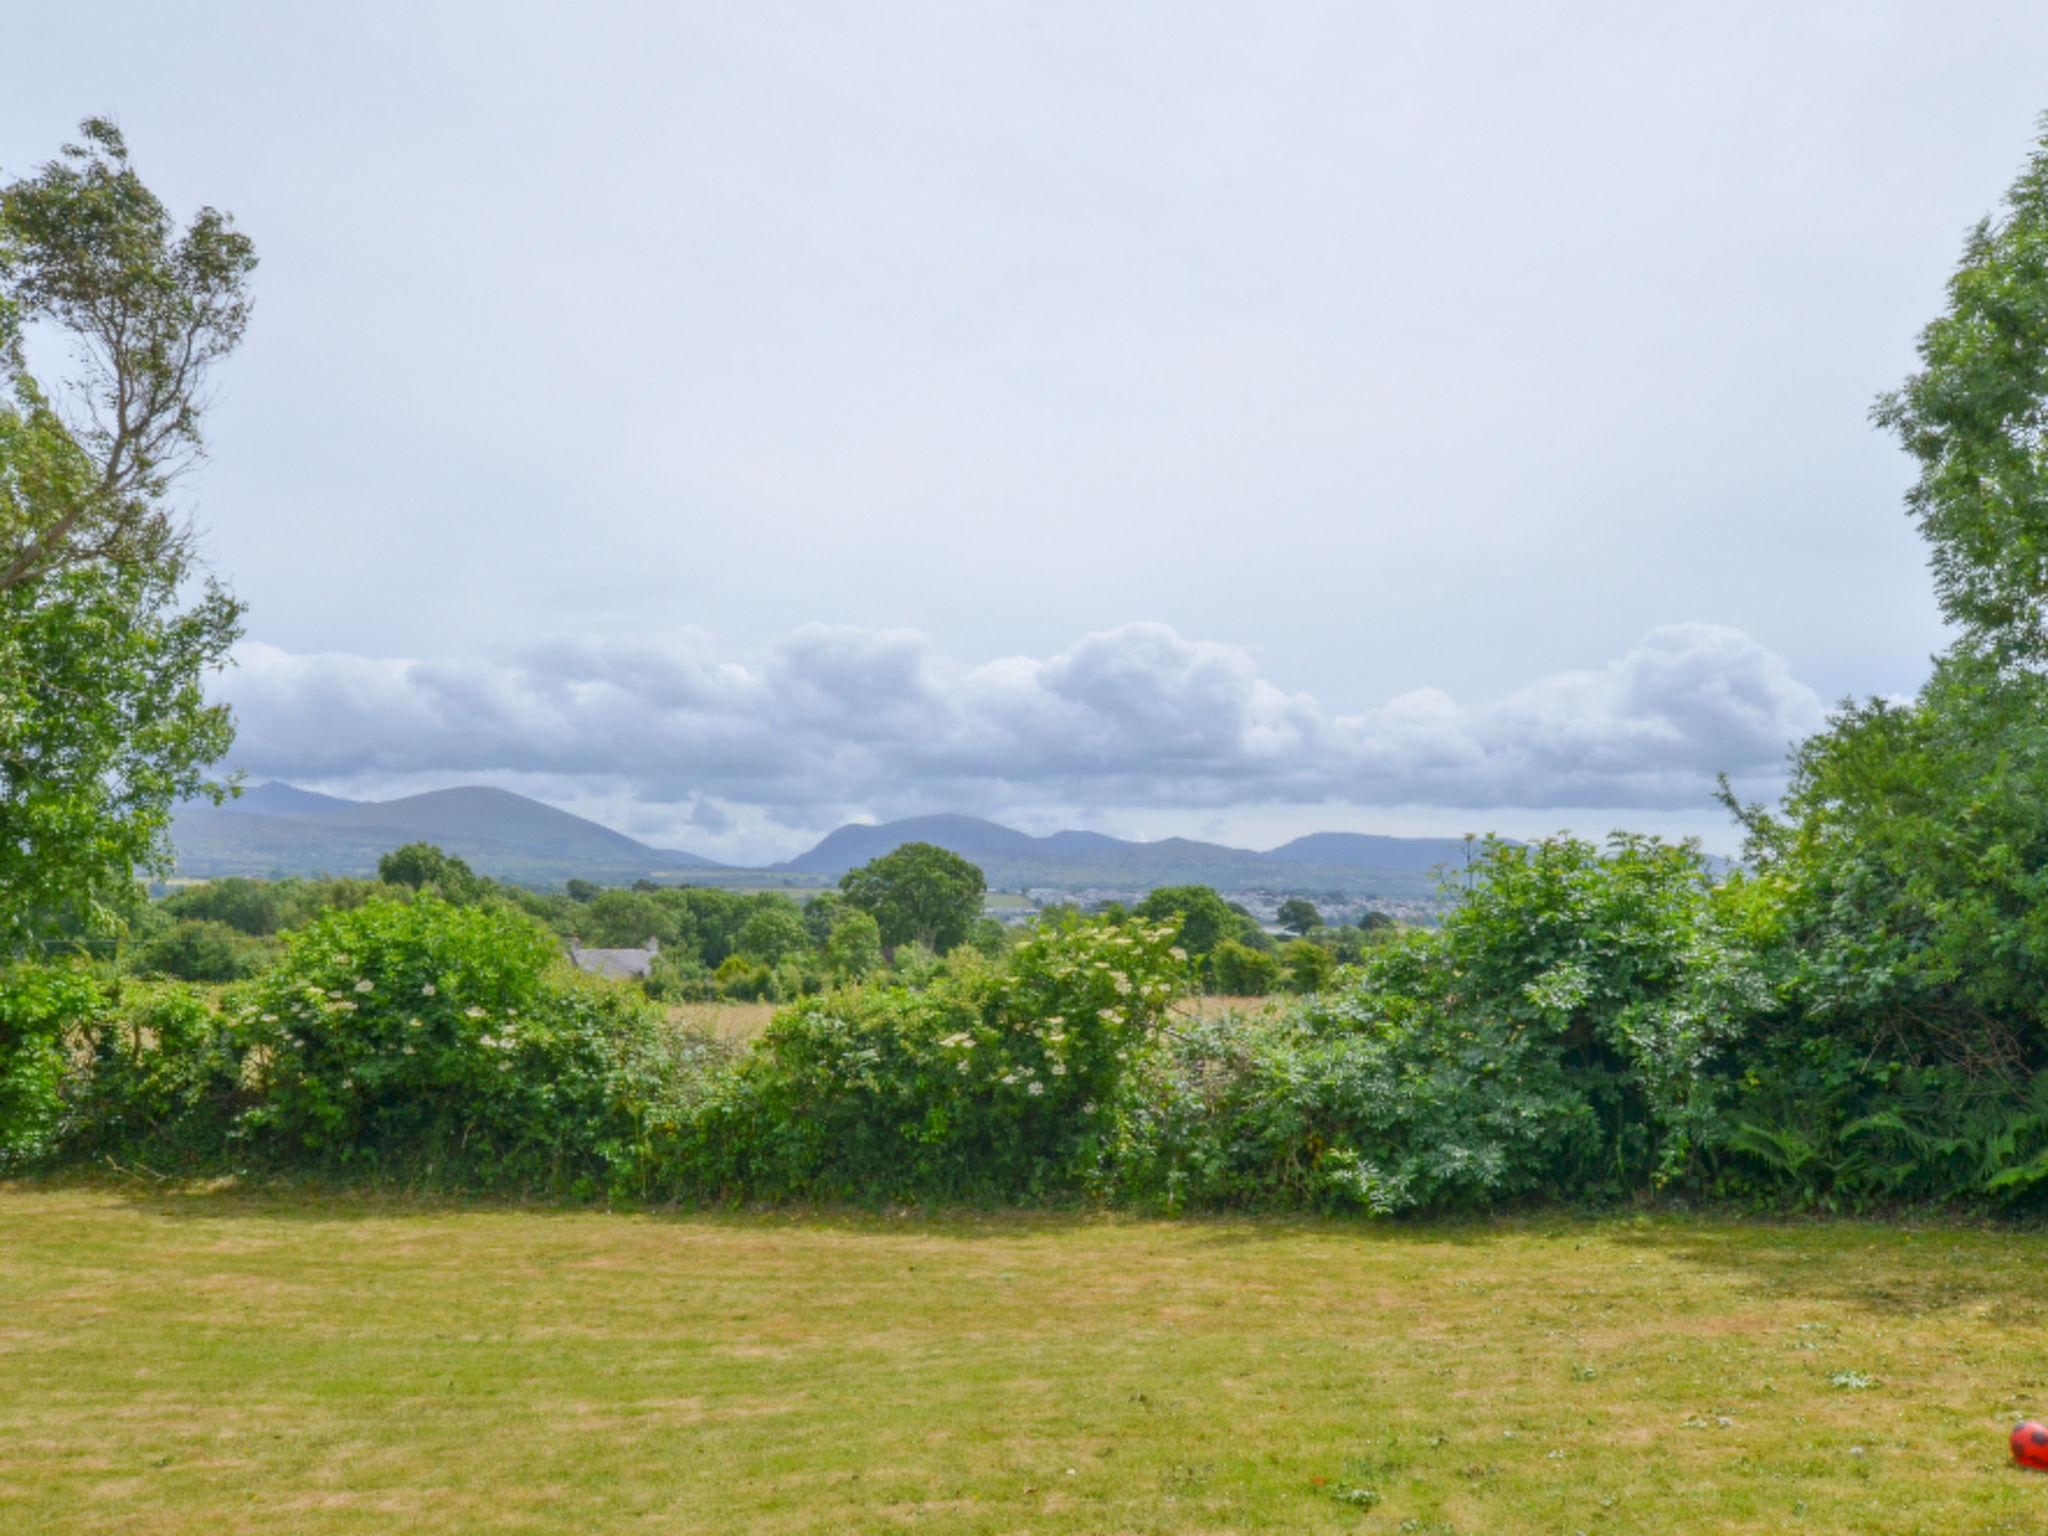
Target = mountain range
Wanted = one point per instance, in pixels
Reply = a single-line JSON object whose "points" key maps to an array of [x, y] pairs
{"points": [[278, 829]]}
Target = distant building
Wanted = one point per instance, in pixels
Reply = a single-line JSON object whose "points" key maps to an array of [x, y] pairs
{"points": [[624, 964]]}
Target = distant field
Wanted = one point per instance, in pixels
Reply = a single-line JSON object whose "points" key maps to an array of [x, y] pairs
{"points": [[211, 1364], [728, 1021], [1202, 1007], [742, 1021]]}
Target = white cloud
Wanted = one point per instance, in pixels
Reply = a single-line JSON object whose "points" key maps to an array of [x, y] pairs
{"points": [[836, 722]]}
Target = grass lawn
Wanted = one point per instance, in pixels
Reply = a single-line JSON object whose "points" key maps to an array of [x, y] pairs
{"points": [[190, 1361]]}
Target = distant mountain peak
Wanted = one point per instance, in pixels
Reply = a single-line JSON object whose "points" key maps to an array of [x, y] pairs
{"points": [[281, 829]]}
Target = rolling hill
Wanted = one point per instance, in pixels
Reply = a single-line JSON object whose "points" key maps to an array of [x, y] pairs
{"points": [[1352, 863], [279, 829]]}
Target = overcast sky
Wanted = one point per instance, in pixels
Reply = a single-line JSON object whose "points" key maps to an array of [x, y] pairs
{"points": [[1234, 421]]}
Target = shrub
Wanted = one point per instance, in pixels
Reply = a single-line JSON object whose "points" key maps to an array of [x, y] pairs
{"points": [[200, 949], [1238, 970], [40, 1005], [440, 1041], [987, 1083], [1371, 1101], [156, 1078], [743, 980], [1306, 966], [1624, 965]]}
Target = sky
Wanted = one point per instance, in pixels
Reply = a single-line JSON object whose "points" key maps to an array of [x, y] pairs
{"points": [[1224, 421]]}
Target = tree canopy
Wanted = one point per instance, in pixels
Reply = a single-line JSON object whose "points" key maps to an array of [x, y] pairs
{"points": [[1974, 415], [104, 642], [919, 892]]}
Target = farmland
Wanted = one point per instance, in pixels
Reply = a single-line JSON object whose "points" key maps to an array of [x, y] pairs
{"points": [[185, 1359]]}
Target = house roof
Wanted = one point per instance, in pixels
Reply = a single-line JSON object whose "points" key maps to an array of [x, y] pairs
{"points": [[622, 963]]}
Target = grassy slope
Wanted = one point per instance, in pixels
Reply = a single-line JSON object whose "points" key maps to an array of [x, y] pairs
{"points": [[191, 1362]]}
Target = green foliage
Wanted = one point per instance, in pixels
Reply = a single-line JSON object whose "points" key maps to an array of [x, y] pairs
{"points": [[158, 1080], [773, 932], [196, 949], [1624, 964], [1298, 915], [1972, 416], [424, 867], [39, 1007], [1910, 860], [104, 723], [986, 1083], [438, 1041], [1204, 918], [1306, 967], [1241, 971], [260, 908], [918, 893], [853, 946], [1377, 1101], [743, 979]]}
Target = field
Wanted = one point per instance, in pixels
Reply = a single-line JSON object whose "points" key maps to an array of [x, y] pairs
{"points": [[727, 1020], [742, 1021], [195, 1361]]}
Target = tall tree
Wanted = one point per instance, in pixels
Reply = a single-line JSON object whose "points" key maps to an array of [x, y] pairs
{"points": [[104, 644], [920, 891], [1298, 915], [1976, 417]]}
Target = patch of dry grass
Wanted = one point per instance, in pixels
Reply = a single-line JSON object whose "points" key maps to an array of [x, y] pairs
{"points": [[728, 1021], [190, 1362], [1201, 1006]]}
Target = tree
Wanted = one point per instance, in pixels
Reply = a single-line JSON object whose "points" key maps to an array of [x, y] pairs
{"points": [[772, 933], [1240, 971], [854, 946], [1306, 966], [1298, 915], [822, 913], [918, 892], [1972, 415], [1905, 859], [425, 867], [1205, 919], [104, 724]]}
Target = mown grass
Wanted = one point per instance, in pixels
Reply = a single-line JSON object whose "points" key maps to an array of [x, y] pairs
{"points": [[222, 1362]]}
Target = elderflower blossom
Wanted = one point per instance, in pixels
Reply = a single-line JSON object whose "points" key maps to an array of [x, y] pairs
{"points": [[364, 984], [472, 1012], [428, 990], [1035, 1089], [1059, 1069]]}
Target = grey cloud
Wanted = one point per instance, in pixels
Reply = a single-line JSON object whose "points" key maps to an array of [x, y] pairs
{"points": [[833, 721]]}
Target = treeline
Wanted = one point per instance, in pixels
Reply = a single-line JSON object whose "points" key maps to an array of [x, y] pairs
{"points": [[715, 943], [1588, 1025]]}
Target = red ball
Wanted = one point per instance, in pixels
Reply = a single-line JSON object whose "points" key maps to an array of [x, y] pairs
{"points": [[2030, 1445]]}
